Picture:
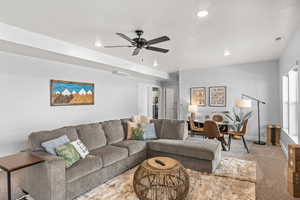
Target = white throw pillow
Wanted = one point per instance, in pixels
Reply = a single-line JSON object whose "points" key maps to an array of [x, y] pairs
{"points": [[80, 148]]}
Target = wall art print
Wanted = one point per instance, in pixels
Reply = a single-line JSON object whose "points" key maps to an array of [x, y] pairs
{"points": [[217, 96], [198, 96], [67, 93]]}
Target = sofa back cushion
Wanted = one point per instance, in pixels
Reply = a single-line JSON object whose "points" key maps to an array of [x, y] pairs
{"points": [[174, 129], [158, 123], [37, 138], [125, 126], [114, 131], [92, 135]]}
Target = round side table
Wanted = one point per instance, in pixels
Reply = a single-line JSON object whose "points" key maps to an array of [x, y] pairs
{"points": [[161, 178]]}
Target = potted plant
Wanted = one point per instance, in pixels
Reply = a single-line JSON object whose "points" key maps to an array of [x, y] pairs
{"points": [[238, 117]]}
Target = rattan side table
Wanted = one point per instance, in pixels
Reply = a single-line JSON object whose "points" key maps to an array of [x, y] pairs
{"points": [[161, 178]]}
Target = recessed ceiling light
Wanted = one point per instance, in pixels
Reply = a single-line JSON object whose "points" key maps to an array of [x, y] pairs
{"points": [[227, 53], [98, 43], [202, 13], [155, 63]]}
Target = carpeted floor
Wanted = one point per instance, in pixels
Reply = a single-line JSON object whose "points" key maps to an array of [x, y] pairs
{"points": [[271, 171]]}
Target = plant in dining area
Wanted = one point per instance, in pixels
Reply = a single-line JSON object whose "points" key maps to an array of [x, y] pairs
{"points": [[238, 117]]}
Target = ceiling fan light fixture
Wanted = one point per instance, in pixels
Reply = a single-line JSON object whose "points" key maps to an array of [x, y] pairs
{"points": [[202, 13], [155, 63]]}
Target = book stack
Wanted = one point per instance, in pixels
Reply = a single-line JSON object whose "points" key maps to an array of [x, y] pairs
{"points": [[294, 170]]}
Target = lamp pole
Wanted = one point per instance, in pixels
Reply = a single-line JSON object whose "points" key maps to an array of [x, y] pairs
{"points": [[259, 142]]}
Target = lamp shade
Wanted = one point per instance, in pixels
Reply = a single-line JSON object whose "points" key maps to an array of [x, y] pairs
{"points": [[193, 108], [243, 103]]}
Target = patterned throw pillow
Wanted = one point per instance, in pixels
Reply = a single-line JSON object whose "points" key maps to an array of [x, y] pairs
{"points": [[80, 148], [68, 153], [130, 126], [149, 131], [137, 134]]}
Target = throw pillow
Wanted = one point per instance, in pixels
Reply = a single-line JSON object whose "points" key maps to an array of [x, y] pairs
{"points": [[149, 131], [130, 126], [50, 145], [68, 153], [80, 148], [137, 134]]}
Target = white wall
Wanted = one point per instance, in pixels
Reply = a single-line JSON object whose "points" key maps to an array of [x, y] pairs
{"points": [[255, 79], [287, 61], [25, 101]]}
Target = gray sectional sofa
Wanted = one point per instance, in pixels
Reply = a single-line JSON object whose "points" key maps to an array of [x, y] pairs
{"points": [[110, 155]]}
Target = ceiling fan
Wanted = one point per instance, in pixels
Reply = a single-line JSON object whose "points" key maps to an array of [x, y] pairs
{"points": [[139, 43]]}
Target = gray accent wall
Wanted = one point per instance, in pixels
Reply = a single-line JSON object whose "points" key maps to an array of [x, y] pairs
{"points": [[25, 98], [287, 60], [259, 80]]}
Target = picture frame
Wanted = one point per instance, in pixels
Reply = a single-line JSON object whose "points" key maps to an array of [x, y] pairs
{"points": [[217, 96], [70, 93], [198, 96]]}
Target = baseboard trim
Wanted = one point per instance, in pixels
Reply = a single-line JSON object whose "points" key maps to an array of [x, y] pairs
{"points": [[284, 149]]}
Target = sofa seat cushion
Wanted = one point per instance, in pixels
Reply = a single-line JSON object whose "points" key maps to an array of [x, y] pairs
{"points": [[133, 146], [92, 135], [83, 167], [114, 131], [200, 149], [110, 154]]}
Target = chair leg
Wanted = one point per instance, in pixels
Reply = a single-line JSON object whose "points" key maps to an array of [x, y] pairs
{"points": [[229, 142], [222, 140], [245, 144]]}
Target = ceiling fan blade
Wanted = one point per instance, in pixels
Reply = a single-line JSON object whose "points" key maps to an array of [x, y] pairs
{"points": [[126, 37], [136, 51], [158, 40], [157, 49], [118, 46]]}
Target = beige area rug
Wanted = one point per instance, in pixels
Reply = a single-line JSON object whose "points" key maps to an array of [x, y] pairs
{"points": [[234, 179]]}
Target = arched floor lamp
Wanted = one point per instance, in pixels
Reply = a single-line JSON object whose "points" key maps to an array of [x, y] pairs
{"points": [[259, 142]]}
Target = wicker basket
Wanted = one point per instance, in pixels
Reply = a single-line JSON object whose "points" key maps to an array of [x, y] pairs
{"points": [[161, 178]]}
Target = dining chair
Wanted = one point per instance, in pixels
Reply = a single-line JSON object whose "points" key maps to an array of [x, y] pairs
{"points": [[218, 118], [241, 133], [211, 130], [195, 129]]}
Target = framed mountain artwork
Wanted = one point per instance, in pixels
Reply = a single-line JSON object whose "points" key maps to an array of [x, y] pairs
{"points": [[217, 96], [198, 96], [67, 93]]}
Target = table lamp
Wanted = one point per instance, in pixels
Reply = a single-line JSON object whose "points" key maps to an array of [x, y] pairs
{"points": [[193, 109]]}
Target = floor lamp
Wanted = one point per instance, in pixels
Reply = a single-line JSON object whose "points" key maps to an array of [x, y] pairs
{"points": [[259, 142]]}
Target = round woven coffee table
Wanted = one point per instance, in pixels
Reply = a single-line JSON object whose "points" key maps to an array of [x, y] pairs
{"points": [[161, 178]]}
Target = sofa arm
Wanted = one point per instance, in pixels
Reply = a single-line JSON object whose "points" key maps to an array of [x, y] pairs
{"points": [[46, 180]]}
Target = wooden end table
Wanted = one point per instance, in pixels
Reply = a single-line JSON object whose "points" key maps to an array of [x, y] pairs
{"points": [[15, 162]]}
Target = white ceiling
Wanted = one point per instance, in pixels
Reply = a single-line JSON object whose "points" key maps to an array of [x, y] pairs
{"points": [[245, 27]]}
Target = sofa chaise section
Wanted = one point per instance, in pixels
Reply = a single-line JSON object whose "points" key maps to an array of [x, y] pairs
{"points": [[197, 155]]}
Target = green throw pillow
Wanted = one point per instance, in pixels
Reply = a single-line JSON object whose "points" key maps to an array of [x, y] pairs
{"points": [[137, 134], [68, 153]]}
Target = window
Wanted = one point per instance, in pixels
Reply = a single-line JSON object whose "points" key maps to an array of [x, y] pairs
{"points": [[290, 103], [285, 102]]}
